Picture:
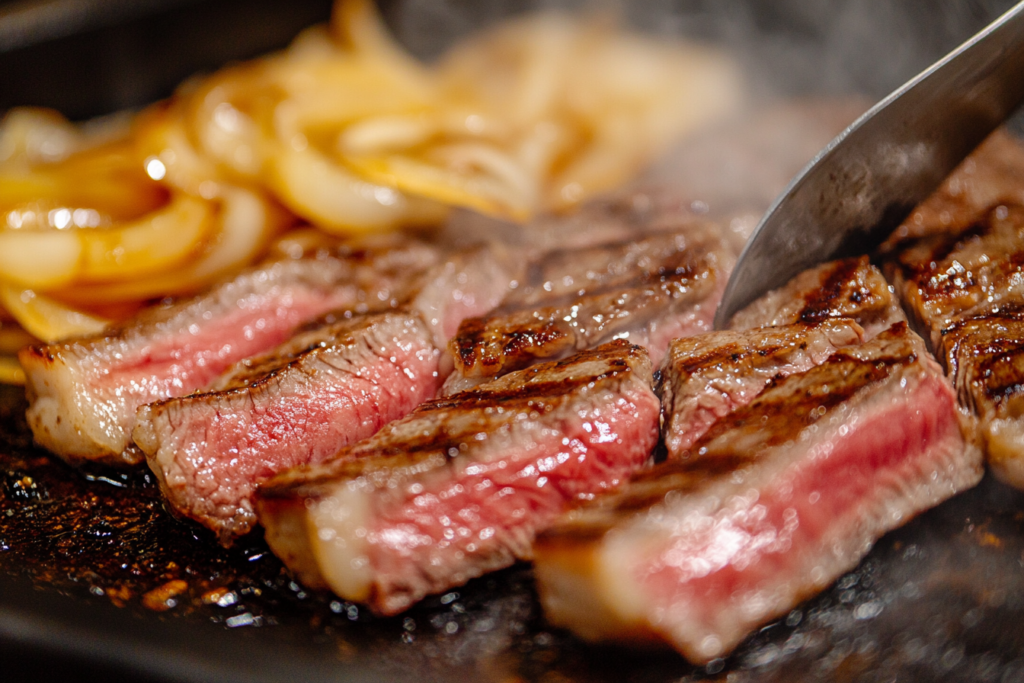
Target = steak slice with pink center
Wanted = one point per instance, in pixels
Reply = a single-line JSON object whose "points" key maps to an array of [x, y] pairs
{"points": [[958, 265], [848, 288], [339, 383], [332, 384], [784, 495], [708, 376], [647, 290], [461, 486], [84, 393]]}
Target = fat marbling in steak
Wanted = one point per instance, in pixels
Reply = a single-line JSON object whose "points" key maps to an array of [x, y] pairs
{"points": [[648, 290], [84, 393], [461, 486], [707, 376], [958, 265], [778, 499], [332, 384]]}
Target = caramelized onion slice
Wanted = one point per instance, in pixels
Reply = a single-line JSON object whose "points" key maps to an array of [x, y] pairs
{"points": [[159, 241], [47, 319], [169, 155], [10, 371], [472, 175], [338, 201], [39, 259], [245, 224]]}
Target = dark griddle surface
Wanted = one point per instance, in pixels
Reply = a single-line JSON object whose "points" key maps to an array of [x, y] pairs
{"points": [[941, 599]]}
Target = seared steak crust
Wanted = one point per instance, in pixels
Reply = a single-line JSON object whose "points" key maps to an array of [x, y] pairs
{"points": [[985, 358], [964, 272], [326, 388], [958, 265], [648, 290], [84, 393], [777, 499], [848, 288], [461, 486], [330, 385], [708, 376]]}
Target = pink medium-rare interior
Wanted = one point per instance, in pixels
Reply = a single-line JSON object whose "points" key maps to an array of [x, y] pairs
{"points": [[224, 454], [780, 534], [177, 364], [505, 501]]}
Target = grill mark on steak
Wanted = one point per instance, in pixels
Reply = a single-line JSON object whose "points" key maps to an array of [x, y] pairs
{"points": [[848, 288], [707, 376], [820, 304], [648, 290], [958, 265], [84, 392], [777, 500], [328, 387], [461, 486], [332, 384], [946, 276], [985, 358]]}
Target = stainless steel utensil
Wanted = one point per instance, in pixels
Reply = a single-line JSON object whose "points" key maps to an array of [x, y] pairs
{"points": [[867, 180]]}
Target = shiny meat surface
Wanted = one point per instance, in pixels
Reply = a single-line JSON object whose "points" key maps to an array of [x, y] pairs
{"points": [[937, 600], [708, 376], [971, 269], [849, 288], [84, 393], [985, 358], [466, 283], [649, 291], [958, 266], [988, 177], [327, 387], [461, 486], [332, 384], [780, 498]]}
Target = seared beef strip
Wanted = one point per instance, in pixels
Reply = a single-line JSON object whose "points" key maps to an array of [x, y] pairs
{"points": [[708, 376], [990, 176], [848, 288], [649, 290], [331, 385], [780, 498], [461, 486], [84, 392], [958, 265], [336, 384], [966, 272], [985, 358]]}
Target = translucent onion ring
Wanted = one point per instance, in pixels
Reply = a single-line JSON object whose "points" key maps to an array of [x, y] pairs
{"points": [[47, 319]]}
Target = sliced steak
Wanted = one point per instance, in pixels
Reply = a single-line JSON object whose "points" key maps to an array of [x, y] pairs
{"points": [[332, 384], [964, 272], [649, 291], [849, 288], [461, 486], [990, 176], [958, 265], [708, 376], [785, 494], [328, 387], [985, 357], [84, 393]]}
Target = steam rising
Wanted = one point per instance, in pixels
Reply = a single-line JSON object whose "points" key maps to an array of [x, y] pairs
{"points": [[789, 46]]}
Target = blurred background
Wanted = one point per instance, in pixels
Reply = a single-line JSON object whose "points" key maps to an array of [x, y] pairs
{"points": [[91, 57]]}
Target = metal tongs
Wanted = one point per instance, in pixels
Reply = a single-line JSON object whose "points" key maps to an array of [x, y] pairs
{"points": [[865, 182]]}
